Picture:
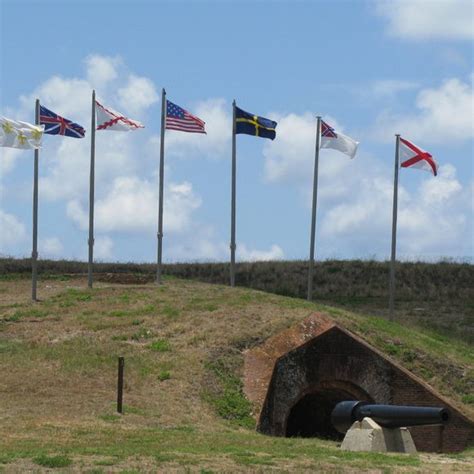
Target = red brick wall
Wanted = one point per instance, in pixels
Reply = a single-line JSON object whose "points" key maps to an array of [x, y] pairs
{"points": [[317, 354], [455, 436]]}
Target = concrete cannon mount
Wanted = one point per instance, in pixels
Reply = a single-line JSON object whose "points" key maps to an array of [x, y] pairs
{"points": [[295, 379]]}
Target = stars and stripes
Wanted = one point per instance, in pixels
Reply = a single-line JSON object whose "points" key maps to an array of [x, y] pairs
{"points": [[412, 156], [180, 119], [54, 124]]}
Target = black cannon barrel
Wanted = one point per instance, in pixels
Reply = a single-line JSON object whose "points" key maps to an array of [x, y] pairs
{"points": [[389, 416]]}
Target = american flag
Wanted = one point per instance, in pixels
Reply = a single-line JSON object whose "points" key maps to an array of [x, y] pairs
{"points": [[57, 125], [327, 130], [180, 119]]}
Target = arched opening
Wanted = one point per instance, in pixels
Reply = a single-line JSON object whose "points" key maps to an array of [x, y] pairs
{"points": [[310, 416]]}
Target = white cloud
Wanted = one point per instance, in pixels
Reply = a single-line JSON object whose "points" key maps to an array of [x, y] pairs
{"points": [[365, 206], [12, 232], [68, 165], [355, 198], [389, 88], [70, 97], [248, 255], [442, 187], [101, 69], [433, 217], [8, 158], [445, 113], [426, 19], [131, 205], [200, 244], [125, 184], [51, 247], [64, 162], [137, 95], [291, 157], [103, 248]]}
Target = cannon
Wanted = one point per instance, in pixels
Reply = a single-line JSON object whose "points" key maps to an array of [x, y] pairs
{"points": [[388, 416]]}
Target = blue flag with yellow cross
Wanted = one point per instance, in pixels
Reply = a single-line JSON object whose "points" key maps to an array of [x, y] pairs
{"points": [[250, 124]]}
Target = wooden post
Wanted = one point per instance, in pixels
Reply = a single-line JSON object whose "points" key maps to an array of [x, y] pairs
{"points": [[121, 365]]}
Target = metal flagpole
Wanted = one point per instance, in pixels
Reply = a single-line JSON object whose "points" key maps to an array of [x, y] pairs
{"points": [[160, 198], [394, 230], [313, 218], [232, 225], [34, 253], [91, 195]]}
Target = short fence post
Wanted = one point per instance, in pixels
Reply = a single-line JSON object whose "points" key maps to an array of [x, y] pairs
{"points": [[121, 364]]}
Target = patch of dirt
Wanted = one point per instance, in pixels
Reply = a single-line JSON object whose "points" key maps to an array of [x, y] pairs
{"points": [[124, 278]]}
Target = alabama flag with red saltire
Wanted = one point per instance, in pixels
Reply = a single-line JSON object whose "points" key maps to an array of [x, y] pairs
{"points": [[412, 156], [110, 119]]}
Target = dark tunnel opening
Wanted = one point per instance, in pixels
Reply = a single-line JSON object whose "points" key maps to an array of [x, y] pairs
{"points": [[310, 417]]}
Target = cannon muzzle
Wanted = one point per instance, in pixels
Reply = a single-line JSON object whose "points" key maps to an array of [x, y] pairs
{"points": [[388, 416]]}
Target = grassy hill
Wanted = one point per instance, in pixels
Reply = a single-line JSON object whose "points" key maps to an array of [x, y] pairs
{"points": [[435, 296], [184, 407]]}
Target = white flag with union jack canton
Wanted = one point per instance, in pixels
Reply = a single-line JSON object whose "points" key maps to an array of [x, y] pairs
{"points": [[412, 156], [110, 119], [179, 119], [336, 140]]}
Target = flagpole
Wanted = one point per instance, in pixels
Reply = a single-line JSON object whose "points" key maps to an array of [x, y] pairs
{"points": [[160, 198], [34, 253], [313, 216], [232, 225], [394, 230], [91, 196]]}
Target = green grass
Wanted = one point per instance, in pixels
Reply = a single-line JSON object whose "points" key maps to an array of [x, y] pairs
{"points": [[6, 458], [132, 312], [110, 418], [225, 392], [188, 447], [164, 375], [128, 409], [170, 311], [142, 334], [52, 461], [161, 345], [26, 313], [468, 399]]}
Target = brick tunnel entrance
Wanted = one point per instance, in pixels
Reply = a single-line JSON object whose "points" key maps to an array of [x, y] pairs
{"points": [[311, 416], [296, 377]]}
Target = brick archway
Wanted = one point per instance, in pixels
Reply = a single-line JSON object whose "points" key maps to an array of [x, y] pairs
{"points": [[316, 363], [310, 415]]}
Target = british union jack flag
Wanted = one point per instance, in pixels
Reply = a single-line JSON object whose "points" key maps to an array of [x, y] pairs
{"points": [[57, 125]]}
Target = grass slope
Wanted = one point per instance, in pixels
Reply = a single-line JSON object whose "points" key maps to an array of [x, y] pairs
{"points": [[184, 407], [437, 296]]}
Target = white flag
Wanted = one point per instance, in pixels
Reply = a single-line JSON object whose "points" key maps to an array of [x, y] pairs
{"points": [[23, 135], [412, 156], [109, 119], [332, 139]]}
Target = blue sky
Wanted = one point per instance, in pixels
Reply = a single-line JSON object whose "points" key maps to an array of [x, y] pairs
{"points": [[371, 68]]}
